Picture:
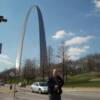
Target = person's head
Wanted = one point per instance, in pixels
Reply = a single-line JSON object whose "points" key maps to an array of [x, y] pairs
{"points": [[55, 72]]}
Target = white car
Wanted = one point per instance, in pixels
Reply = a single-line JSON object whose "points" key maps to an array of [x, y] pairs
{"points": [[40, 87], [2, 83]]}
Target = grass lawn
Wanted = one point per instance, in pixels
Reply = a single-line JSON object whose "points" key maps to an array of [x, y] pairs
{"points": [[83, 80], [82, 84]]}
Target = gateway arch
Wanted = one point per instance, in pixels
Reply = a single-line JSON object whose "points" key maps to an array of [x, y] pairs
{"points": [[43, 49]]}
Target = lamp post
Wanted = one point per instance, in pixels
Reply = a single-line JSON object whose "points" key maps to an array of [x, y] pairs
{"points": [[2, 19], [0, 48]]}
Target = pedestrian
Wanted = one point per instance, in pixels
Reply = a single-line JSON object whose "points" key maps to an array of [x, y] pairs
{"points": [[10, 86], [55, 83]]}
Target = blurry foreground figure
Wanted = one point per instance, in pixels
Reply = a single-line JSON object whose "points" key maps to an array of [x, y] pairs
{"points": [[55, 83], [11, 87]]}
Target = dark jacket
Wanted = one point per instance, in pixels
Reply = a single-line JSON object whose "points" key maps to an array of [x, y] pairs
{"points": [[55, 81]]}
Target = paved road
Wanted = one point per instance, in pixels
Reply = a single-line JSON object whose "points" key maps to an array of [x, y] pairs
{"points": [[81, 96], [25, 94]]}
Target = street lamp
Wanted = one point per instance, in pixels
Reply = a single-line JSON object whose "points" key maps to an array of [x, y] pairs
{"points": [[0, 48], [2, 19]]}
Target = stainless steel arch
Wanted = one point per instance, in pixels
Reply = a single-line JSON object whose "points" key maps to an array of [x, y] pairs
{"points": [[43, 49]]}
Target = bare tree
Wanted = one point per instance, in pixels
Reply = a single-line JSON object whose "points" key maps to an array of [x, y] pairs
{"points": [[50, 57], [93, 62], [29, 69], [62, 55]]}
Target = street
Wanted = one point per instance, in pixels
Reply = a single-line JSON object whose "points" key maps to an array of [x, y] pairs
{"points": [[65, 96], [26, 94]]}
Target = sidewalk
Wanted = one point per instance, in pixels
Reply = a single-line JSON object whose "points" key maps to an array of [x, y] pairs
{"points": [[5, 90], [82, 89]]}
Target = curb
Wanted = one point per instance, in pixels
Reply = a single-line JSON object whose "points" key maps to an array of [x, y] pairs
{"points": [[81, 89]]}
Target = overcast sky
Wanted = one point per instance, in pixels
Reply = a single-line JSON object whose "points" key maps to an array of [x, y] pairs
{"points": [[77, 22]]}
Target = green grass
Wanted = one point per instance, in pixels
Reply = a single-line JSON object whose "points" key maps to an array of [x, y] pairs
{"points": [[82, 84], [89, 76], [83, 80]]}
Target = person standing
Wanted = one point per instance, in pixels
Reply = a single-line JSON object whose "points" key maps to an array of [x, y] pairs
{"points": [[55, 83]]}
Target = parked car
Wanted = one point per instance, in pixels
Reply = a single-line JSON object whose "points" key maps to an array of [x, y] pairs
{"points": [[40, 87], [2, 83]]}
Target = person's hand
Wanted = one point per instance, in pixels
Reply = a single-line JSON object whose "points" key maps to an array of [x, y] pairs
{"points": [[56, 86]]}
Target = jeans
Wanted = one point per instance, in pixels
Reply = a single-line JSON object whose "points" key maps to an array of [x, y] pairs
{"points": [[54, 96]]}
